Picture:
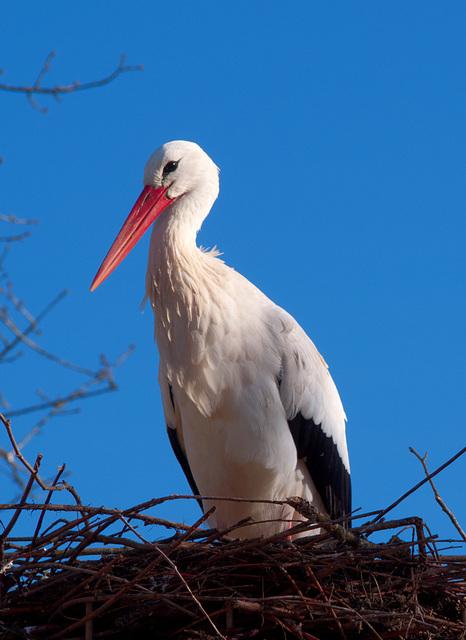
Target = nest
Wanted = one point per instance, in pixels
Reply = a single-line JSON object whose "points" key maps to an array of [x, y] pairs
{"points": [[91, 573], [82, 579]]}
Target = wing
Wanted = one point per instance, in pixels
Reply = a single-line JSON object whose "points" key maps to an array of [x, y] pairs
{"points": [[183, 460], [331, 478], [173, 420], [315, 416]]}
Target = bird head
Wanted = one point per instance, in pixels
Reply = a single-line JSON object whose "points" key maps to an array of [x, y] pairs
{"points": [[182, 168], [180, 180]]}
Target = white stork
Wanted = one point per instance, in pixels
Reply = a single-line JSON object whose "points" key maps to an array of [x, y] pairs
{"points": [[250, 407]]}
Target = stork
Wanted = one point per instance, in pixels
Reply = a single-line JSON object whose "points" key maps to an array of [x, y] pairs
{"points": [[250, 407]]}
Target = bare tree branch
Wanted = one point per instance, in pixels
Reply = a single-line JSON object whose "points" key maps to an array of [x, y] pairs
{"points": [[178, 573], [19, 327], [437, 496], [381, 514], [14, 220], [33, 322], [34, 471], [57, 407], [30, 343], [59, 90]]}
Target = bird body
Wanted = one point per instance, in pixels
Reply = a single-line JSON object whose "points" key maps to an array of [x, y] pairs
{"points": [[250, 407]]}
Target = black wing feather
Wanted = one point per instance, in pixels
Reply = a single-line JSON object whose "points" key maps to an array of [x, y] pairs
{"points": [[179, 453], [183, 461], [324, 464]]}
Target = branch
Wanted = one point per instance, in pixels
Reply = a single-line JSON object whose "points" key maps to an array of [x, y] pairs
{"points": [[178, 573], [103, 375], [21, 336], [47, 501], [58, 90], [16, 238], [128, 584], [14, 220], [57, 406], [35, 471], [437, 496], [381, 514], [59, 403]]}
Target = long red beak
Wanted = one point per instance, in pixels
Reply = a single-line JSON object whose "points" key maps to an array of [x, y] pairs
{"points": [[149, 205]]}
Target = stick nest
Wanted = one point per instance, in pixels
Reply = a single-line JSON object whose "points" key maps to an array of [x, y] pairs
{"points": [[80, 578]]}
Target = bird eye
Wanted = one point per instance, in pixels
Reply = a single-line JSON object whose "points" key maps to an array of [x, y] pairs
{"points": [[169, 167]]}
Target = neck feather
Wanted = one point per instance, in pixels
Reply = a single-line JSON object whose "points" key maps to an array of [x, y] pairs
{"points": [[182, 282]]}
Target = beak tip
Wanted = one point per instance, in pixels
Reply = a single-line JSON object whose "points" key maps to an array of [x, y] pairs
{"points": [[148, 206]]}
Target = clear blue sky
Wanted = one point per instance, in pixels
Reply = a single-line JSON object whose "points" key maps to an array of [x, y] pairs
{"points": [[340, 131]]}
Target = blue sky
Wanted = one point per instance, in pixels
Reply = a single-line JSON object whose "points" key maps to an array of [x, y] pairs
{"points": [[340, 132]]}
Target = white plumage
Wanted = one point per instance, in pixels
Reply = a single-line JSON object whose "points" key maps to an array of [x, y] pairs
{"points": [[251, 409]]}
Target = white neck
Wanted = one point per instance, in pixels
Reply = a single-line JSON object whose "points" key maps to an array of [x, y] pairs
{"points": [[183, 284]]}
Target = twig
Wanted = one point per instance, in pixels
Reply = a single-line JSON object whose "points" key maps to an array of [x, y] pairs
{"points": [[33, 471], [33, 323], [108, 603], [47, 501], [176, 570], [382, 513], [20, 336], [58, 90], [9, 527], [14, 220], [57, 406], [94, 511], [310, 572], [315, 516], [59, 402], [437, 496], [16, 238]]}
